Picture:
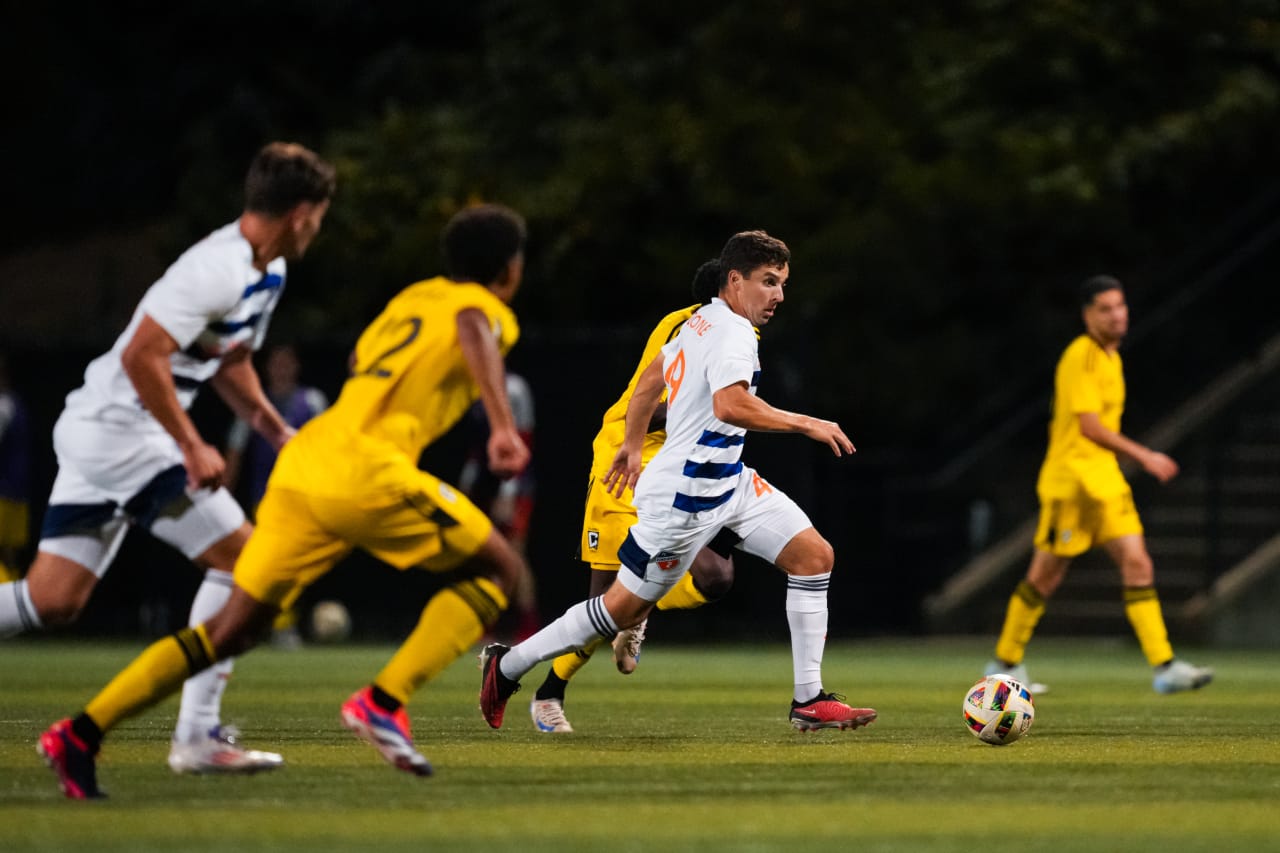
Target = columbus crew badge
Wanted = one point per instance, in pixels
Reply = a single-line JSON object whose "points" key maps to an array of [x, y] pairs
{"points": [[593, 539]]}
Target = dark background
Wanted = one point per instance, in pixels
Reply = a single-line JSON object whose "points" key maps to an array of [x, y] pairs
{"points": [[944, 173]]}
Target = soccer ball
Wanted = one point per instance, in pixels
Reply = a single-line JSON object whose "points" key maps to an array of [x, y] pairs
{"points": [[998, 709], [330, 622]]}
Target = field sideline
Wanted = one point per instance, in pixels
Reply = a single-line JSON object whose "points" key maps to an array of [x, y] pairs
{"points": [[691, 752]]}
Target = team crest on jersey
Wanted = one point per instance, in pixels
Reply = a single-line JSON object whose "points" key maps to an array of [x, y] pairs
{"points": [[665, 560], [593, 539]]}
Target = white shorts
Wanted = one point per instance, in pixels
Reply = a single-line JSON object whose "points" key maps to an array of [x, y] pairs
{"points": [[662, 545], [111, 477]]}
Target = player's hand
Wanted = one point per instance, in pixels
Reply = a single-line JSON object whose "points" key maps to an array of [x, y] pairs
{"points": [[508, 454], [624, 471], [205, 466], [830, 434], [1160, 466]]}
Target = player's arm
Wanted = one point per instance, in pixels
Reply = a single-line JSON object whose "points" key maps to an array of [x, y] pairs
{"points": [[736, 405], [508, 454], [146, 362], [625, 470], [1155, 463], [237, 383]]}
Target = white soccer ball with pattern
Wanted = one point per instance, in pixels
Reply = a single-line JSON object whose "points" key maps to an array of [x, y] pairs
{"points": [[998, 709], [330, 622]]}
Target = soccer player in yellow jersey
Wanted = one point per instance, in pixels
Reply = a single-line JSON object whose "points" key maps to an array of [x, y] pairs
{"points": [[1085, 500], [349, 479], [607, 519]]}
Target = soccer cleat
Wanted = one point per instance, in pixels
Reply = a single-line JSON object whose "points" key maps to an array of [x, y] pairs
{"points": [[495, 688], [1178, 675], [1018, 672], [70, 758], [219, 751], [548, 716], [828, 711], [386, 732], [626, 648]]}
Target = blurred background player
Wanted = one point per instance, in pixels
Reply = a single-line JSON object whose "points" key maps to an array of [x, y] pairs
{"points": [[508, 502], [15, 476], [350, 479], [250, 457], [129, 454], [607, 518], [1086, 501]]}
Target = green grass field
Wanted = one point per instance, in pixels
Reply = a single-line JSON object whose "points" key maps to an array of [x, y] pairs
{"points": [[691, 752]]}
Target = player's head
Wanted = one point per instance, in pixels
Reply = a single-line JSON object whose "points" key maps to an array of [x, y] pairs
{"points": [[284, 175], [485, 244], [706, 281], [290, 184], [754, 268], [1103, 308]]}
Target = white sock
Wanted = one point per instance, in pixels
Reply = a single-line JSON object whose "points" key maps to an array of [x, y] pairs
{"points": [[580, 624], [202, 693], [17, 612], [807, 616]]}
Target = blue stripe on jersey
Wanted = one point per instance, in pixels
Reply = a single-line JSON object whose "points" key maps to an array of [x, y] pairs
{"points": [[711, 438], [712, 470], [270, 281], [690, 503], [755, 379], [228, 327]]}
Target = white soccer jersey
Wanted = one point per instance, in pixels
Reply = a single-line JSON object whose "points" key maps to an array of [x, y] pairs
{"points": [[697, 468], [211, 300]]}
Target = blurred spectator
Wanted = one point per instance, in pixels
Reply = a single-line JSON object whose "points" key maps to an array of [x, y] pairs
{"points": [[250, 458], [508, 503], [15, 477]]}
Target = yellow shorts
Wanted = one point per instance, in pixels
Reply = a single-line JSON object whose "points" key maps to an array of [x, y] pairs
{"points": [[14, 521], [1070, 526], [605, 523], [300, 536]]}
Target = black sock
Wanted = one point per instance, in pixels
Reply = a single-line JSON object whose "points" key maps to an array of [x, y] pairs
{"points": [[384, 700], [87, 730], [552, 688]]}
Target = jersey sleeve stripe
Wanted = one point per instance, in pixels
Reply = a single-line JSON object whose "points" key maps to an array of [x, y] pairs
{"points": [[270, 281]]}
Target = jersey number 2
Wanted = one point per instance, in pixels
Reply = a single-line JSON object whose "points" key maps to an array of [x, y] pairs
{"points": [[414, 326]]}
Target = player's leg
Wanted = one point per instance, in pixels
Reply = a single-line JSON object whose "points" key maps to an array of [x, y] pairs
{"points": [[547, 706], [1142, 608], [209, 528], [648, 573], [14, 520], [1064, 532], [437, 528], [71, 745], [774, 528]]}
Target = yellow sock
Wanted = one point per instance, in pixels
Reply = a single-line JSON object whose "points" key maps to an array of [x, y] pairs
{"points": [[153, 675], [453, 620], [683, 596], [569, 663], [1142, 606], [8, 574], [1026, 606]]}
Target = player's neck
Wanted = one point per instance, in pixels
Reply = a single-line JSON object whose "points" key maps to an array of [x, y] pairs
{"points": [[265, 236]]}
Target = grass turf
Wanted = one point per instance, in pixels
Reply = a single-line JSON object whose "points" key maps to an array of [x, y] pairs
{"points": [[691, 752]]}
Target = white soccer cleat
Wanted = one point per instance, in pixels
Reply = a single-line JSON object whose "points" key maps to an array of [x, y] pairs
{"points": [[1017, 672], [548, 716], [626, 648], [1178, 675], [220, 752]]}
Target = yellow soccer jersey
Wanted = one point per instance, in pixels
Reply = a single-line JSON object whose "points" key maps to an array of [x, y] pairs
{"points": [[1088, 379], [613, 426], [410, 383]]}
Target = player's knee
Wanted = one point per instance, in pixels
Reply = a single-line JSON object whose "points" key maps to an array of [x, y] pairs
{"points": [[817, 559], [1138, 570], [712, 575], [61, 611]]}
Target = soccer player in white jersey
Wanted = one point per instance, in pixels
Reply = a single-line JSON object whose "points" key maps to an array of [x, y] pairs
{"points": [[697, 484], [130, 455]]}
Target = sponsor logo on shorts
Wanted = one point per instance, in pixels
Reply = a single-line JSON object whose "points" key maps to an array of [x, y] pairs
{"points": [[448, 494], [1065, 536], [665, 560], [593, 539]]}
